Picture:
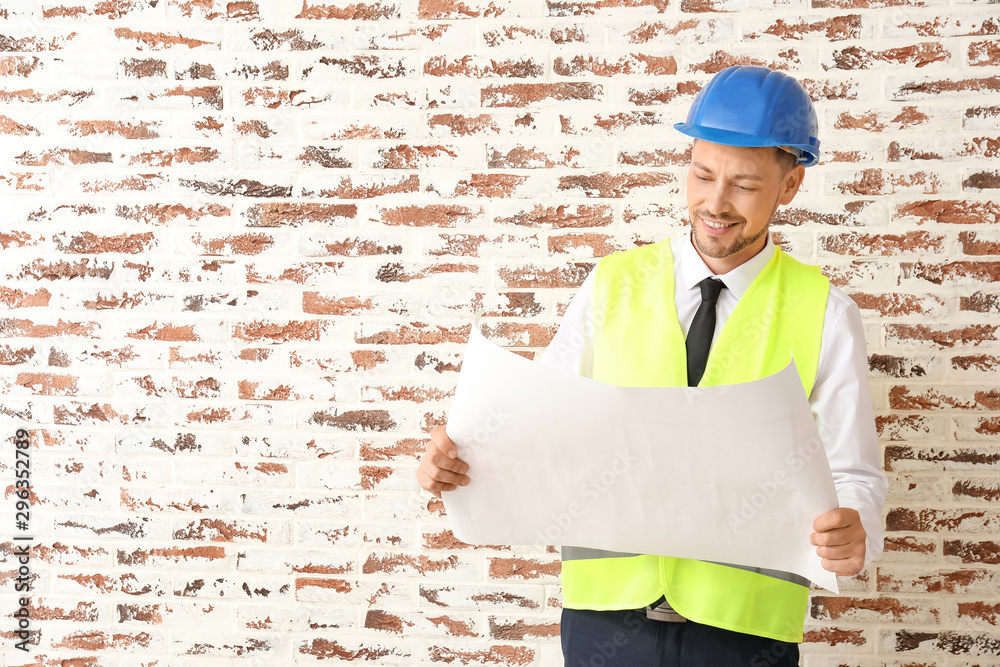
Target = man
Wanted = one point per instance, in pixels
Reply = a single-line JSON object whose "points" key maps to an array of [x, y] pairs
{"points": [[727, 289]]}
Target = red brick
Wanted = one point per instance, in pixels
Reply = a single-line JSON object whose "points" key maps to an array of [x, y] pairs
{"points": [[401, 564], [345, 188], [153, 40], [536, 277], [831, 90], [328, 158], [942, 521], [171, 556], [180, 156], [511, 629], [900, 305], [126, 130], [296, 214], [977, 272], [648, 65], [243, 187], [587, 7], [82, 612], [909, 89], [522, 157], [402, 449], [976, 362], [420, 624], [853, 243], [954, 397], [89, 243], [61, 157], [984, 54], [18, 328], [396, 272], [514, 35], [975, 489], [9, 356], [523, 569], [367, 66], [914, 55], [413, 333], [334, 650], [965, 458], [478, 67], [882, 609], [910, 545], [599, 244], [619, 185], [658, 157], [354, 420], [460, 125], [15, 298], [104, 641], [955, 212], [405, 392], [405, 156], [559, 217], [837, 28], [616, 124], [517, 334], [965, 581], [242, 10], [974, 244], [10, 126], [649, 95], [252, 243], [266, 39], [495, 655], [720, 60], [525, 94], [276, 332], [960, 25], [975, 118], [971, 551], [982, 180], [218, 530]]}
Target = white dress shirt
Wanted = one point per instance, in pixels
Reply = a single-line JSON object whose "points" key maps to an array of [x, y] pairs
{"points": [[840, 400]]}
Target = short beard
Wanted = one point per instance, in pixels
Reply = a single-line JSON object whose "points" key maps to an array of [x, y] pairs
{"points": [[741, 243]]}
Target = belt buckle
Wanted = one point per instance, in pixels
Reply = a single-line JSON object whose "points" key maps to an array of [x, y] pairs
{"points": [[667, 615]]}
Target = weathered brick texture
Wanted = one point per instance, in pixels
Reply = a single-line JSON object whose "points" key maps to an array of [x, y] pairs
{"points": [[243, 241]]}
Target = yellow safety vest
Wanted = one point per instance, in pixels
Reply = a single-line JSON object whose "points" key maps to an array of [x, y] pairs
{"points": [[638, 342]]}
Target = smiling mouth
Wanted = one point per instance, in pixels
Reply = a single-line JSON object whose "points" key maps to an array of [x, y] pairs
{"points": [[717, 224]]}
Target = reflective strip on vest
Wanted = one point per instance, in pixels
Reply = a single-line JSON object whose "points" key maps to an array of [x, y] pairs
{"points": [[639, 342], [584, 553], [776, 574]]}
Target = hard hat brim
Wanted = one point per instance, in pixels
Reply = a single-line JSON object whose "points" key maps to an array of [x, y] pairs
{"points": [[729, 138]]}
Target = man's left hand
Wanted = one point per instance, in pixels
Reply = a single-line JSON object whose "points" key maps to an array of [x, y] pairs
{"points": [[840, 541]]}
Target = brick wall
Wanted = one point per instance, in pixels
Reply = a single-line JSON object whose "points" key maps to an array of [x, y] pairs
{"points": [[243, 242]]}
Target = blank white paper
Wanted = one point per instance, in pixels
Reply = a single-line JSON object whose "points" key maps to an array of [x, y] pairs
{"points": [[731, 474]]}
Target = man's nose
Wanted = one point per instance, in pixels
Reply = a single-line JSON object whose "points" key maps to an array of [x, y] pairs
{"points": [[716, 200]]}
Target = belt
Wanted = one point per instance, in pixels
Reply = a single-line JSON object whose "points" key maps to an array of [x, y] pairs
{"points": [[662, 611]]}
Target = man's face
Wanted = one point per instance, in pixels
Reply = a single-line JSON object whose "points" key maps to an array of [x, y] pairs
{"points": [[732, 193]]}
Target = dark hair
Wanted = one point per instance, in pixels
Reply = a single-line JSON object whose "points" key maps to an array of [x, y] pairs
{"points": [[785, 159]]}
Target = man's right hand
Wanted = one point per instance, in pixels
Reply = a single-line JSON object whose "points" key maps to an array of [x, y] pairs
{"points": [[440, 468]]}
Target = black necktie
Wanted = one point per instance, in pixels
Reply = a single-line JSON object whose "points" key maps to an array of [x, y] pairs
{"points": [[699, 338]]}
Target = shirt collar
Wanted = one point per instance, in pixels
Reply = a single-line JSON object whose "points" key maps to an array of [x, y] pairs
{"points": [[694, 269]]}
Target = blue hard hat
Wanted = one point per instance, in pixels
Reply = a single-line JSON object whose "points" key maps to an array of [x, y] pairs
{"points": [[755, 106]]}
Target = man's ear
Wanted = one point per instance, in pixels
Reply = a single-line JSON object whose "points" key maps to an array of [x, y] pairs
{"points": [[790, 183]]}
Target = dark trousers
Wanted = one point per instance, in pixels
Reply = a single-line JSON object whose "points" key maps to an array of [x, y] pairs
{"points": [[629, 639]]}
